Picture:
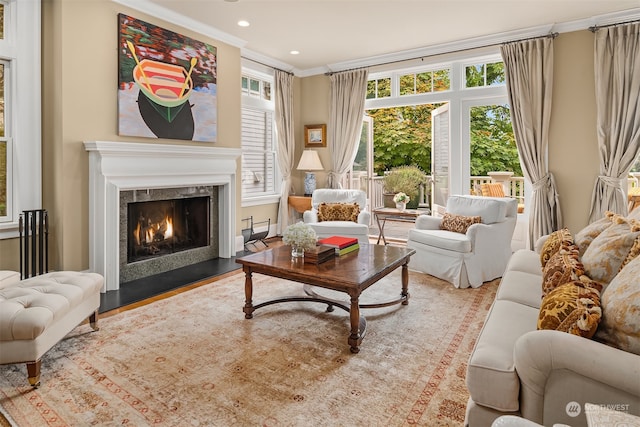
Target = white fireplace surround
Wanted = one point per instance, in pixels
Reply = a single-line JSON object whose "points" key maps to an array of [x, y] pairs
{"points": [[116, 166]]}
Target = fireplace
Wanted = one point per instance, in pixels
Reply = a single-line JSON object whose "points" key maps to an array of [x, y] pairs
{"points": [[162, 227], [124, 174]]}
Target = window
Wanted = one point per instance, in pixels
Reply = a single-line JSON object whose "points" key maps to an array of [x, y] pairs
{"points": [[424, 82], [480, 75], [379, 88], [20, 134], [260, 179]]}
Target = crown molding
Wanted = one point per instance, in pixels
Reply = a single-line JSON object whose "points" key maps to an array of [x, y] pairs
{"points": [[443, 48], [165, 14], [489, 40], [268, 61]]}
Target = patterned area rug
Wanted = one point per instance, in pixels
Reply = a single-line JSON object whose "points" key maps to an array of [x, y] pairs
{"points": [[193, 359]]}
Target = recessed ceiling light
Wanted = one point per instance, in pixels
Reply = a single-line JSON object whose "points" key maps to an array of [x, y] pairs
{"points": [[243, 23], [231, 1], [294, 52]]}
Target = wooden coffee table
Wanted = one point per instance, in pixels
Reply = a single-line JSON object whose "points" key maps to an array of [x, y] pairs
{"points": [[351, 273]]}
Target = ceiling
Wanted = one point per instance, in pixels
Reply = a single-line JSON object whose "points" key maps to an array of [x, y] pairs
{"points": [[332, 35]]}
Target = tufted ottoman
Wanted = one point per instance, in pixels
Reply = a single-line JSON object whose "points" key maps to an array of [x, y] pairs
{"points": [[36, 313]]}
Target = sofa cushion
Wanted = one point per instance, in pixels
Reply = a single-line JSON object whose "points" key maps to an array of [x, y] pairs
{"points": [[584, 237], [572, 307], [521, 287], [338, 212], [553, 243], [458, 223], [608, 251], [442, 239], [491, 379], [620, 326], [527, 261], [564, 266]]}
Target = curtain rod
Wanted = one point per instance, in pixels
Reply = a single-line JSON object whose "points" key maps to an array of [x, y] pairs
{"points": [[267, 65], [552, 35], [597, 27]]}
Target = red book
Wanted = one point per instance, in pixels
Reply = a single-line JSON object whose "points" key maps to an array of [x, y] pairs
{"points": [[338, 241]]}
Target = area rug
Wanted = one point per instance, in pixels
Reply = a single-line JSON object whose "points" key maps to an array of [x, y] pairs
{"points": [[194, 360]]}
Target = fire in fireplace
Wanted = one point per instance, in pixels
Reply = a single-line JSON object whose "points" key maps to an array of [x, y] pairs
{"points": [[162, 227]]}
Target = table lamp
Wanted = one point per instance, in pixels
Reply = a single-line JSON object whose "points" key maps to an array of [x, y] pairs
{"points": [[310, 161]]}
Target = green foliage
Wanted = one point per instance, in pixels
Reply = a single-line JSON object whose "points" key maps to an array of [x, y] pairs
{"points": [[402, 136], [406, 179], [493, 146]]}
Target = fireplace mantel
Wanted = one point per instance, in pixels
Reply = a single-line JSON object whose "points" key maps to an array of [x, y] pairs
{"points": [[116, 166]]}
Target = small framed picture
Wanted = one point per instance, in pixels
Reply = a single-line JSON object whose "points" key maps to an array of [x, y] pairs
{"points": [[315, 135]]}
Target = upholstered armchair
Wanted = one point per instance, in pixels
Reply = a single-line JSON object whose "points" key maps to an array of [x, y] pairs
{"points": [[470, 245], [339, 212]]}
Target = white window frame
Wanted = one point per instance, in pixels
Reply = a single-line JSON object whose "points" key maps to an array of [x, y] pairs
{"points": [[21, 48], [457, 96], [251, 101]]}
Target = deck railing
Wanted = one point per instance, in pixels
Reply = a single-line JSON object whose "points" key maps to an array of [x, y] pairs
{"points": [[513, 186]]}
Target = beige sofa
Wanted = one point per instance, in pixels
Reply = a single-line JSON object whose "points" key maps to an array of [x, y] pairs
{"points": [[36, 313], [547, 376]]}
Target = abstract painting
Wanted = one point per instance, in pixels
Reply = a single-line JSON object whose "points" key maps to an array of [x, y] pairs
{"points": [[167, 83]]}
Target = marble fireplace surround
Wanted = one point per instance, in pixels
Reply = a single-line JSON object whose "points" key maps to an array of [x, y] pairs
{"points": [[116, 166]]}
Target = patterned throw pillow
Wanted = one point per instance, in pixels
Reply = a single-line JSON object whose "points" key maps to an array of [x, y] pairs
{"points": [[338, 212], [585, 236], [620, 326], [553, 243], [458, 223], [564, 266], [572, 307], [606, 254]]}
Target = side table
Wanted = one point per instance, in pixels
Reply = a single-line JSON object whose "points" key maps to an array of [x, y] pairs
{"points": [[300, 203], [393, 214]]}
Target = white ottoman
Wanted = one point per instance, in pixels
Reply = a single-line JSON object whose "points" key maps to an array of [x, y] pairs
{"points": [[36, 313]]}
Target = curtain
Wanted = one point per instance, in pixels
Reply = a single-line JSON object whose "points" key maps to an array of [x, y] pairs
{"points": [[529, 73], [617, 72], [348, 92], [283, 91]]}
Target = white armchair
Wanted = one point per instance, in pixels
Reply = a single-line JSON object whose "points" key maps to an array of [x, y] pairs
{"points": [[467, 259], [359, 229]]}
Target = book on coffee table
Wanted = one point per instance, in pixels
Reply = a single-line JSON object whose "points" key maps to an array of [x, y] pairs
{"points": [[348, 249], [319, 254], [339, 242]]}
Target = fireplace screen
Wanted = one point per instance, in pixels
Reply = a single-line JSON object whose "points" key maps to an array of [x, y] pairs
{"points": [[161, 227]]}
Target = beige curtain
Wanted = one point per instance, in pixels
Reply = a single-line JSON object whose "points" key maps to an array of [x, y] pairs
{"points": [[348, 92], [529, 73], [283, 91], [617, 70]]}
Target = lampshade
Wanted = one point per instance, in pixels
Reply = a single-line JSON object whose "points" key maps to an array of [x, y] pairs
{"points": [[310, 161]]}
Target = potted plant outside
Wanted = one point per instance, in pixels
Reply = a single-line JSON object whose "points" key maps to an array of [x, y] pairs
{"points": [[404, 179]]}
